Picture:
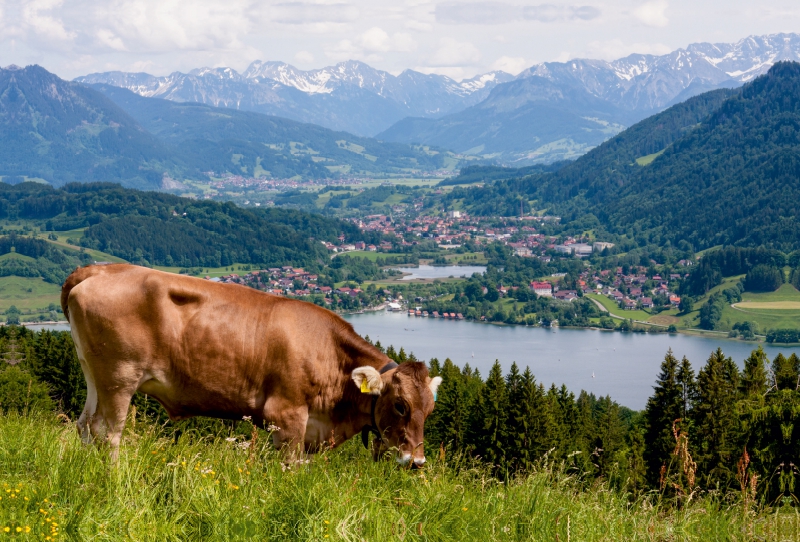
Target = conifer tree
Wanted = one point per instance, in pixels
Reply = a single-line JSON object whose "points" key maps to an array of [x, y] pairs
{"points": [[637, 470], [754, 376], [447, 425], [785, 371], [663, 408], [488, 426], [714, 413], [688, 387], [609, 437], [536, 421], [515, 417], [779, 437]]}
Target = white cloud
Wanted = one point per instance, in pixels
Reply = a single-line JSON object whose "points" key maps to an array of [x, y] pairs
{"points": [[509, 64], [370, 43], [418, 25], [476, 12], [304, 57], [37, 16], [303, 13], [453, 13], [453, 53], [378, 40], [652, 13], [563, 56]]}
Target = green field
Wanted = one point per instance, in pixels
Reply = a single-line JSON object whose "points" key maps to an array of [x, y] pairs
{"points": [[28, 294], [767, 318], [238, 268], [178, 487], [772, 318], [614, 309]]}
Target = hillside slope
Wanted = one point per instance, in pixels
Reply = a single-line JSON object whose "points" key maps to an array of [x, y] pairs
{"points": [[735, 179], [62, 132], [154, 228]]}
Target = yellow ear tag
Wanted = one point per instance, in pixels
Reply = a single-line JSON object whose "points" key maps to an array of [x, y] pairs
{"points": [[364, 386]]}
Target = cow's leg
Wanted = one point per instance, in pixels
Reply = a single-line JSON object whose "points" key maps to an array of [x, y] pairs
{"points": [[289, 422], [89, 408], [109, 419]]}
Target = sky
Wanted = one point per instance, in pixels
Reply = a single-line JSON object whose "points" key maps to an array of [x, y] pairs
{"points": [[451, 37]]}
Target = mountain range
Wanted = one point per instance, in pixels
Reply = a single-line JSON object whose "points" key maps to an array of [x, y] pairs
{"points": [[350, 96], [62, 131], [550, 111], [560, 110]]}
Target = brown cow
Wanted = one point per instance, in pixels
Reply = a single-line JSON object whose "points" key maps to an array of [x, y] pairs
{"points": [[228, 351]]}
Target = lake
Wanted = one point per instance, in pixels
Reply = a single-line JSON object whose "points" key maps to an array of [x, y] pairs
{"points": [[622, 365], [440, 272]]}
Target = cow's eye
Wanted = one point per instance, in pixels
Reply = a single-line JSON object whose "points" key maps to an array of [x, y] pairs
{"points": [[400, 408]]}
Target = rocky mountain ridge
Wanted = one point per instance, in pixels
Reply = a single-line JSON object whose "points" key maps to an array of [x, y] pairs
{"points": [[350, 96]]}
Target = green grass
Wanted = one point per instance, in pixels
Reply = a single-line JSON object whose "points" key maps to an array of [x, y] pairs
{"points": [[188, 487], [614, 309], [787, 292], [646, 160], [28, 294], [238, 268]]}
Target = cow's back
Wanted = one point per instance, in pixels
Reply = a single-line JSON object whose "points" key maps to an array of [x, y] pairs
{"points": [[200, 347]]}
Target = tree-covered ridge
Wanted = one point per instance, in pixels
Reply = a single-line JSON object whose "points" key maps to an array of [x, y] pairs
{"points": [[599, 174], [29, 257], [161, 229], [733, 180]]}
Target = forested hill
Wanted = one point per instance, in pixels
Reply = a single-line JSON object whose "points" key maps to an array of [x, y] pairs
{"points": [[720, 168], [733, 180], [161, 229], [62, 132]]}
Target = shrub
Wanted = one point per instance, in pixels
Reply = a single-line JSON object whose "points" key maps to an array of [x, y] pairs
{"points": [[783, 336]]}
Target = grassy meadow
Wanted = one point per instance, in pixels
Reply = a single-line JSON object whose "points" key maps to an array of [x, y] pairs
{"points": [[184, 486]]}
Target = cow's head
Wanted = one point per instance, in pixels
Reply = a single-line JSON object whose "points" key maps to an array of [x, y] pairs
{"points": [[406, 397]]}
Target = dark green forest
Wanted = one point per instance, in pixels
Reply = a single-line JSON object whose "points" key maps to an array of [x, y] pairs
{"points": [[706, 428], [161, 229]]}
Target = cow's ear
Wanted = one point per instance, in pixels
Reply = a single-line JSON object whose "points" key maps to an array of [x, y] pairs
{"points": [[368, 380], [434, 385]]}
